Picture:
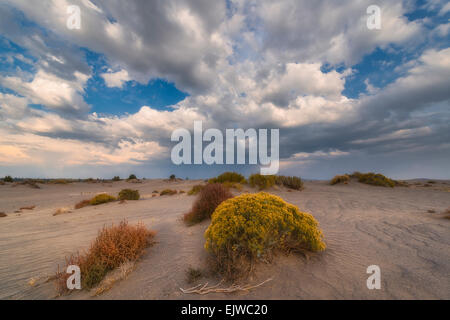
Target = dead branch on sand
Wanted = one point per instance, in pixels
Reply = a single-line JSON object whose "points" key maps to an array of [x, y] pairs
{"points": [[233, 288]]}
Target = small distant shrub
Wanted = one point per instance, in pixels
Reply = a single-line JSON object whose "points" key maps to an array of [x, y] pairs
{"points": [[261, 181], [250, 227], [8, 179], [193, 275], [61, 211], [113, 246], [401, 183], [155, 191], [90, 180], [294, 183], [132, 177], [59, 181], [102, 198], [168, 192], [195, 189], [116, 178], [128, 194], [30, 183], [340, 179], [172, 177], [207, 201], [28, 208], [2, 215], [228, 177], [82, 204], [375, 179]]}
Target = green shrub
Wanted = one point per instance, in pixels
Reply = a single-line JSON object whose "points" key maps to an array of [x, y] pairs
{"points": [[116, 178], [172, 177], [128, 194], [295, 183], [168, 192], [195, 189], [207, 201], [228, 177], [340, 179], [251, 227], [132, 177], [8, 179], [375, 179], [261, 181], [101, 198]]}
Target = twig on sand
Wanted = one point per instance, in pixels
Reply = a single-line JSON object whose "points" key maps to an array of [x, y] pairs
{"points": [[233, 288]]}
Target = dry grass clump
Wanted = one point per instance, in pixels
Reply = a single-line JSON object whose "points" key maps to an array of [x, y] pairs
{"points": [[251, 227], [207, 201], [114, 276], [114, 246], [98, 199], [447, 213], [293, 182], [28, 208], [375, 179], [2, 215], [340, 179], [59, 181], [30, 183], [168, 192], [82, 204], [193, 275], [101, 198], [61, 211], [195, 189], [228, 177], [261, 181], [128, 194]]}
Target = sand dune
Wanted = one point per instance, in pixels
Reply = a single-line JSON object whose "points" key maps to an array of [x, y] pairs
{"points": [[363, 225]]}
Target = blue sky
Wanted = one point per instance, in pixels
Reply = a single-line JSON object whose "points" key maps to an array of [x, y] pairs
{"points": [[344, 97]]}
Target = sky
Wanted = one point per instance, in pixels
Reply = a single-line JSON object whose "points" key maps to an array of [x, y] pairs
{"points": [[104, 99]]}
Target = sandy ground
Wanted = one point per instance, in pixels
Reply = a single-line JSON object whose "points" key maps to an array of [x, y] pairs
{"points": [[363, 225]]}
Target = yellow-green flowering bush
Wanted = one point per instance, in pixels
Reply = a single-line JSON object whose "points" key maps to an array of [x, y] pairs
{"points": [[252, 226], [261, 181], [101, 198]]}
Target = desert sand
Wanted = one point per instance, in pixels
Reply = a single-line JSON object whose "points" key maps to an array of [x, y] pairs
{"points": [[363, 225]]}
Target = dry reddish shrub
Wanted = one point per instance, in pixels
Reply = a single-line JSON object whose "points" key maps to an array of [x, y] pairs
{"points": [[207, 201], [82, 204], [28, 208], [113, 246]]}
